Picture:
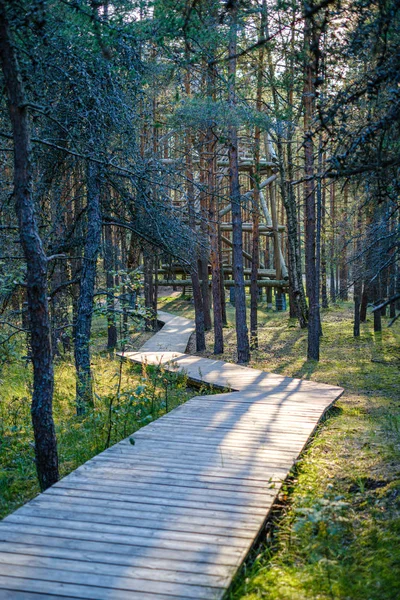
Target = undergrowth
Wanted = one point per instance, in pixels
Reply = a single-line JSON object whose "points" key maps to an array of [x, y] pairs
{"points": [[127, 397], [335, 532]]}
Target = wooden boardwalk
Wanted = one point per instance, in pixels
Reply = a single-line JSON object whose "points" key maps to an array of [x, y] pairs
{"points": [[174, 515]]}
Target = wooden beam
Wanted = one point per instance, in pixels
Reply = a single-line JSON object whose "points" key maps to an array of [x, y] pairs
{"points": [[249, 194], [227, 282]]}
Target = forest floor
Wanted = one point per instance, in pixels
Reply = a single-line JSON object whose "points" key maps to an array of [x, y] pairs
{"points": [[124, 401], [335, 531]]}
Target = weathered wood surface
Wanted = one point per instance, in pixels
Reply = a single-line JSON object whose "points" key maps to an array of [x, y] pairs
{"points": [[174, 515]]}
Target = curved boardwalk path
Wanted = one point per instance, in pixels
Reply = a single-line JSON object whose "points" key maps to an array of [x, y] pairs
{"points": [[174, 515]]}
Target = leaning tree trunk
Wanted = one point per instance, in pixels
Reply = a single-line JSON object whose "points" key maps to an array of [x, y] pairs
{"points": [[243, 348], [36, 263], [83, 325]]}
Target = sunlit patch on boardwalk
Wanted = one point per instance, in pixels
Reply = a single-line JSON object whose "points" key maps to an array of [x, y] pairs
{"points": [[174, 514]]}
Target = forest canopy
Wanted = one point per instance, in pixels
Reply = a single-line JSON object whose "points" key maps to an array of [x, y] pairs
{"points": [[247, 146]]}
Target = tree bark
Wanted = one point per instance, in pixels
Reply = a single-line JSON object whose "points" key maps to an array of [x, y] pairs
{"points": [[194, 271], [83, 325], [255, 264], [343, 266], [364, 303], [286, 176], [332, 285], [36, 262], [112, 334], [211, 142], [148, 267], [309, 190], [357, 282], [243, 348], [203, 262]]}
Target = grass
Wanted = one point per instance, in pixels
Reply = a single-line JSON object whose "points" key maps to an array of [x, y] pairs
{"points": [[335, 532], [143, 397]]}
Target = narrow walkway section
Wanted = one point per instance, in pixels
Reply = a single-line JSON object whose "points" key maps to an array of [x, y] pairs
{"points": [[173, 515]]}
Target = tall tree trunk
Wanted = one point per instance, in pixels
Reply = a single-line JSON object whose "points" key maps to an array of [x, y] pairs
{"points": [[203, 262], [108, 267], [357, 282], [343, 266], [364, 303], [309, 190], [256, 176], [194, 271], [324, 283], [223, 301], [148, 266], [243, 348], [83, 325], [332, 286], [286, 176], [256, 258], [294, 250], [211, 163], [36, 262], [319, 192]]}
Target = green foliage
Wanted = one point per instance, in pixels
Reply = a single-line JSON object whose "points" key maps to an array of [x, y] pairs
{"points": [[126, 398], [336, 532]]}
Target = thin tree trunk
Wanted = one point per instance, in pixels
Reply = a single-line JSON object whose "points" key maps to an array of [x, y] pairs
{"points": [[309, 190], [256, 256], [108, 267], [243, 348], [203, 262], [211, 161], [324, 283], [364, 303], [194, 271], [255, 264], [83, 325], [332, 286], [357, 283], [36, 263], [223, 301], [343, 266], [148, 263], [298, 298]]}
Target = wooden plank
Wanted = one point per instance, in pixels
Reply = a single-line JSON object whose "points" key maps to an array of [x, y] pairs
{"points": [[142, 512], [225, 548], [173, 515], [175, 488], [18, 595], [18, 583], [197, 572], [100, 569], [162, 523], [157, 499], [168, 537], [216, 455], [205, 467], [209, 561], [168, 477]]}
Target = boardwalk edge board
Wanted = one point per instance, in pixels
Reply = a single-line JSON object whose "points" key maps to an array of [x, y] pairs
{"points": [[173, 516]]}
